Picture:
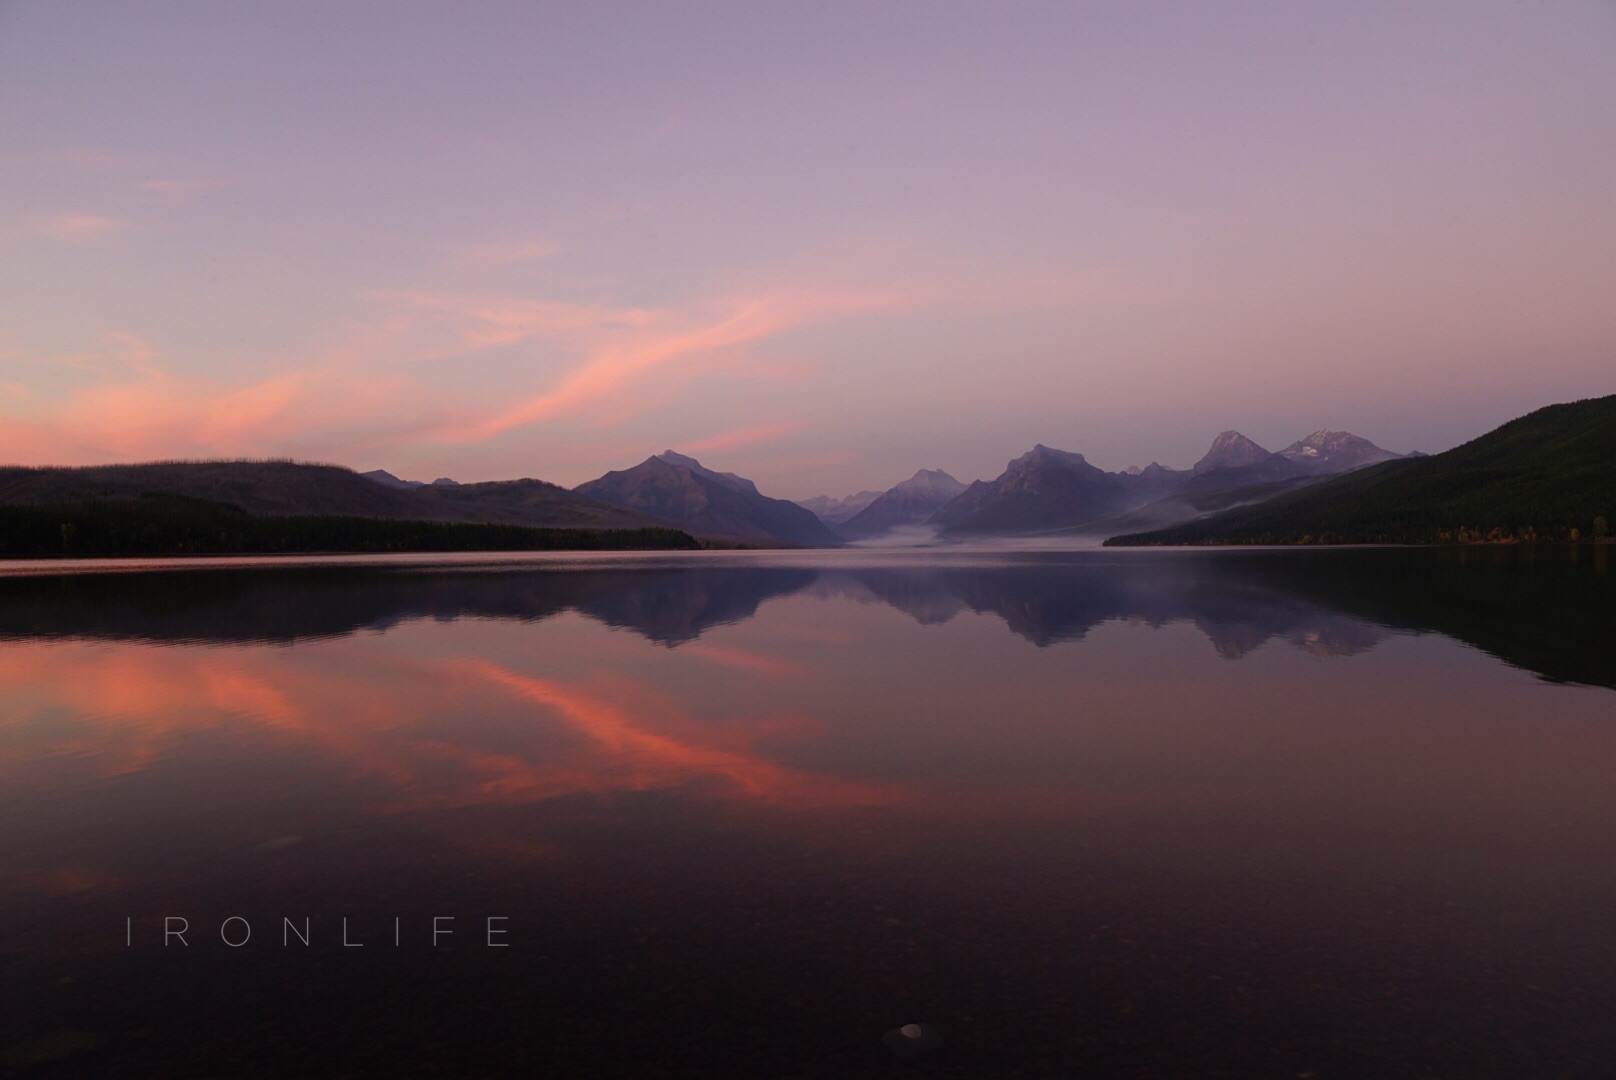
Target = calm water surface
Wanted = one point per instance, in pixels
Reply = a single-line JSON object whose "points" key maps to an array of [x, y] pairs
{"points": [[1157, 814]]}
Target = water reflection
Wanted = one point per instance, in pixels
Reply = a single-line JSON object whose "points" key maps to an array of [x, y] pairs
{"points": [[1547, 612], [1104, 813]]}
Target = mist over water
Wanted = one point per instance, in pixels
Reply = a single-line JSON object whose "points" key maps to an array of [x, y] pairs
{"points": [[1090, 812]]}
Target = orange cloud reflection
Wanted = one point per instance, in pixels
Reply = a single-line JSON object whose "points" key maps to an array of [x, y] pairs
{"points": [[130, 707], [638, 756]]}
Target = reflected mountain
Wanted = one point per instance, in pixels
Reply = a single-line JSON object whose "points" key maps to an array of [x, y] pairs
{"points": [[668, 606], [1053, 603], [1546, 610], [1550, 610]]}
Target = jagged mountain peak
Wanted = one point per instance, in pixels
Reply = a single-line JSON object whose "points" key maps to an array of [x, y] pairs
{"points": [[931, 480], [833, 511], [912, 502], [678, 488], [1230, 450], [685, 461], [1335, 451], [1041, 454]]}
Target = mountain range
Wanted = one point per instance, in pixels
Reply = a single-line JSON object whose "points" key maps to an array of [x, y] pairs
{"points": [[1044, 490], [672, 487], [1551, 470], [1049, 491], [1548, 474], [286, 488], [913, 502], [835, 511]]}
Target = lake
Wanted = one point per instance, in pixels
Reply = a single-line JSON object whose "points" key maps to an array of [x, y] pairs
{"points": [[1321, 813]]}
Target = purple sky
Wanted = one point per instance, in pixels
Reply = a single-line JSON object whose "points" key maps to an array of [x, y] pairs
{"points": [[819, 245]]}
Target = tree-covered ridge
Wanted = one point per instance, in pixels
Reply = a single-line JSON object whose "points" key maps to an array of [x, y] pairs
{"points": [[174, 525], [1549, 475]]}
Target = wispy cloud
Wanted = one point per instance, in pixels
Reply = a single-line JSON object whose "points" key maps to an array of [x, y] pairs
{"points": [[383, 382], [633, 343], [77, 228], [489, 256], [136, 408], [744, 436]]}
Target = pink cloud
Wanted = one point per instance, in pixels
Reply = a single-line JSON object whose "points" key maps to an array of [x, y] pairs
{"points": [[154, 416], [374, 389], [138, 410], [656, 340], [746, 436], [77, 228]]}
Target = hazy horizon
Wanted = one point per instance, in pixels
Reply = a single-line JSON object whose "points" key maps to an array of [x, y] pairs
{"points": [[819, 247]]}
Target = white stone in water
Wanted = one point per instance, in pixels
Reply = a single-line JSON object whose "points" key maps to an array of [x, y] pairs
{"points": [[911, 1031]]}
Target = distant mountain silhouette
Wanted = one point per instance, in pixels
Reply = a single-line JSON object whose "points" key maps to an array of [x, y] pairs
{"points": [[1041, 490], [1234, 461], [913, 502], [387, 479], [835, 511], [1230, 450], [1238, 472], [1054, 491], [261, 488], [1335, 452], [382, 476], [1541, 475], [679, 489], [530, 500], [287, 489]]}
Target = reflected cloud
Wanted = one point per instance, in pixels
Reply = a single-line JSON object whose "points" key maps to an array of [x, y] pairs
{"points": [[639, 756], [746, 661], [483, 747], [82, 716]]}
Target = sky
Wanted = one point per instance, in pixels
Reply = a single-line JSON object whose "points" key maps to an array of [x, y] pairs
{"points": [[822, 245]]}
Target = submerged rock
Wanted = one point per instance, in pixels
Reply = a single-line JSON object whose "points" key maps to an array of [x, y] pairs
{"points": [[912, 1041]]}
